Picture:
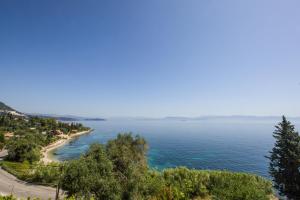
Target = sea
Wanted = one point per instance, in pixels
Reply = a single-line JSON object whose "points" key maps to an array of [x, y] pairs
{"points": [[233, 143]]}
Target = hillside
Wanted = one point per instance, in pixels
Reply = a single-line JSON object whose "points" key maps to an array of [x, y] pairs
{"points": [[67, 118], [4, 107]]}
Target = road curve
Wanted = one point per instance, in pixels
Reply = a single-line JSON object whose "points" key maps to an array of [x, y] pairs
{"points": [[11, 185]]}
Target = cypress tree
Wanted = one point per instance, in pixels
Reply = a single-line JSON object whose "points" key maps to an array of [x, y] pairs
{"points": [[285, 160]]}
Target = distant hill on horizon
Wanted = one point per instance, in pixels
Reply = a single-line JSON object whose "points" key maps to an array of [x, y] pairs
{"points": [[227, 117], [219, 117], [5, 107], [66, 117]]}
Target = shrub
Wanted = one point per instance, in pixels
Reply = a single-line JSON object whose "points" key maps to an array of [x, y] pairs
{"points": [[46, 174], [20, 170], [23, 149], [182, 183], [2, 141], [10, 197], [91, 176]]}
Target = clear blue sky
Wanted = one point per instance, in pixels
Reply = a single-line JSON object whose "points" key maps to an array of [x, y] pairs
{"points": [[151, 58]]}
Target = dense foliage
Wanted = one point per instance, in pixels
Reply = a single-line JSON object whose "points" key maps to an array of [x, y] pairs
{"points": [[29, 134], [23, 149], [20, 170], [285, 160], [38, 173], [91, 176], [11, 123], [128, 155], [10, 197], [2, 141], [119, 170], [114, 171]]}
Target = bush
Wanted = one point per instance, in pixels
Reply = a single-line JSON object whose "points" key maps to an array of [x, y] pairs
{"points": [[2, 141], [91, 176], [128, 155], [2, 138], [119, 170], [23, 149], [10, 197], [122, 165], [182, 183], [22, 171], [46, 174], [34, 173]]}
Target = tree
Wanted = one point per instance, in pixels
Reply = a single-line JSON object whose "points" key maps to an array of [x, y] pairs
{"points": [[115, 171], [91, 176], [285, 160], [2, 141], [128, 155], [23, 149]]}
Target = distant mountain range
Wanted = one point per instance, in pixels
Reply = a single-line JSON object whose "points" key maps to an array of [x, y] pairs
{"points": [[229, 117], [7, 109], [210, 118], [66, 117]]}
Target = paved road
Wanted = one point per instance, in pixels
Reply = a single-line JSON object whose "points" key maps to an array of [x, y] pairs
{"points": [[11, 185]]}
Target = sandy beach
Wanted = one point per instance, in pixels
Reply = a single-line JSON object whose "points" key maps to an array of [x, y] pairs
{"points": [[46, 151]]}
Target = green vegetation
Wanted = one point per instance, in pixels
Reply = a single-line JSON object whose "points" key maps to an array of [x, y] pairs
{"points": [[2, 141], [24, 149], [10, 197], [20, 170], [119, 170], [114, 171], [37, 173], [285, 160], [191, 184], [91, 176], [46, 126], [29, 134]]}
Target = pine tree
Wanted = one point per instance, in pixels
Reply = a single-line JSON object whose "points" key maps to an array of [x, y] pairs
{"points": [[285, 160]]}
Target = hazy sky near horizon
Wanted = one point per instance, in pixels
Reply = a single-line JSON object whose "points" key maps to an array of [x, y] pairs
{"points": [[151, 58]]}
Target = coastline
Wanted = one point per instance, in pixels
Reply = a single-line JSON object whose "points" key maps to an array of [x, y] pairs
{"points": [[47, 156]]}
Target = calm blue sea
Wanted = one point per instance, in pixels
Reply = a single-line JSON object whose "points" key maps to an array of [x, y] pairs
{"points": [[236, 145]]}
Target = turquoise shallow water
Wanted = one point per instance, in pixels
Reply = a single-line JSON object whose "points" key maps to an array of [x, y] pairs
{"points": [[236, 145]]}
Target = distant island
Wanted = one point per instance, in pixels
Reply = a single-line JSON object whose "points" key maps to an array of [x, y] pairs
{"points": [[67, 118], [94, 119]]}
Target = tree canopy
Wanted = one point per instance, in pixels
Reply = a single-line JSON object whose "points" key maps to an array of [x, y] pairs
{"points": [[23, 149], [285, 160]]}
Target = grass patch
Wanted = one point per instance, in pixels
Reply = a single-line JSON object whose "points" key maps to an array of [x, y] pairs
{"points": [[34, 173], [22, 171]]}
